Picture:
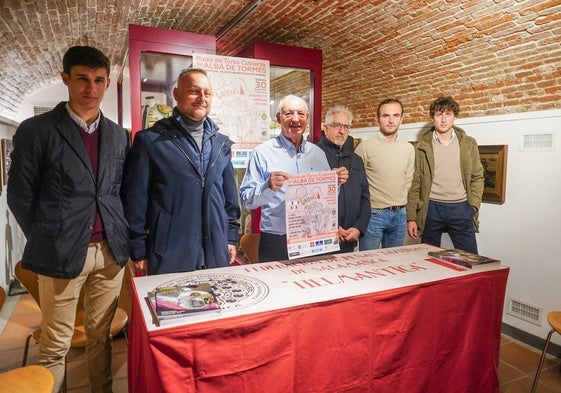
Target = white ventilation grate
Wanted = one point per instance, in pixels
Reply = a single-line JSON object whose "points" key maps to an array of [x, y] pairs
{"points": [[525, 311], [537, 142]]}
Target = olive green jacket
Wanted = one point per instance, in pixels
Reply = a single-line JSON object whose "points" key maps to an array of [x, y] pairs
{"points": [[472, 176]]}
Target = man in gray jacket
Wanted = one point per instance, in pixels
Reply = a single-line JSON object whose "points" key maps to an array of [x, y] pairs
{"points": [[64, 191], [354, 197]]}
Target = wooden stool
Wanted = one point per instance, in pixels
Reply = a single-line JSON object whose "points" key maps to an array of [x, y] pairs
{"points": [[554, 319], [30, 281], [28, 379], [250, 246]]}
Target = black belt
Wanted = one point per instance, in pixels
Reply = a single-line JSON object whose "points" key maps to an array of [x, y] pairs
{"points": [[394, 207]]}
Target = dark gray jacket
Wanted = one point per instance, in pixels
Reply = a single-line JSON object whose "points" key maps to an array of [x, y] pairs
{"points": [[354, 195], [54, 196]]}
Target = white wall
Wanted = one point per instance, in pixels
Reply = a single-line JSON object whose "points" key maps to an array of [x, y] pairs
{"points": [[523, 231]]}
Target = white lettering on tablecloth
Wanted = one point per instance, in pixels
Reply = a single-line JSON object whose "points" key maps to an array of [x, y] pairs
{"points": [[358, 276]]}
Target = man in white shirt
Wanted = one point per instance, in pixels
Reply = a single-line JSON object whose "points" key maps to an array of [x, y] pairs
{"points": [[270, 166]]}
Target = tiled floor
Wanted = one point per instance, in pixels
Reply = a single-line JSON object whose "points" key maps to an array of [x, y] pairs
{"points": [[517, 367], [20, 314]]}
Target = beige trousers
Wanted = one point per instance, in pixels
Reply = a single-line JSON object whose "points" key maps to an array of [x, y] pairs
{"points": [[101, 278]]}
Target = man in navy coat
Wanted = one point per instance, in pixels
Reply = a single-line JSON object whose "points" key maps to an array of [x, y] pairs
{"points": [[180, 192]]}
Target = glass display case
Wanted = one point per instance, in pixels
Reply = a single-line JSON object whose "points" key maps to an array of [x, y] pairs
{"points": [[156, 57], [293, 70]]}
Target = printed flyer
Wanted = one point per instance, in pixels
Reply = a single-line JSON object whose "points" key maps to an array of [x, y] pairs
{"points": [[240, 106], [311, 214]]}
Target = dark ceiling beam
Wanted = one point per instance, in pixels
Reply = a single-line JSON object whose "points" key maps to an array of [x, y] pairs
{"points": [[240, 17]]}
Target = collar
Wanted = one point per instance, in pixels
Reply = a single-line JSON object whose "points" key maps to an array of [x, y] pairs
{"points": [[326, 142], [437, 139], [78, 120], [383, 138], [288, 145], [347, 148], [190, 125]]}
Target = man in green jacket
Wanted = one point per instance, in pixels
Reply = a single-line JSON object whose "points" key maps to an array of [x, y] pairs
{"points": [[447, 187]]}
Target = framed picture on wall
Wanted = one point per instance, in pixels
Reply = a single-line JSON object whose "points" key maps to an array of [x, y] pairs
{"points": [[494, 159], [7, 148]]}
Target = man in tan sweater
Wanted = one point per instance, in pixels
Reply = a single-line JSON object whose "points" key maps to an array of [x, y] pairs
{"points": [[389, 165]]}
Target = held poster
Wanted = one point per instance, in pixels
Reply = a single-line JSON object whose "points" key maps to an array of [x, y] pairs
{"points": [[240, 105], [311, 214]]}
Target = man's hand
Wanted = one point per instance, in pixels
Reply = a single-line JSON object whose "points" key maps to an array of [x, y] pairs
{"points": [[277, 180], [232, 251], [140, 268], [342, 174], [348, 235], [412, 229]]}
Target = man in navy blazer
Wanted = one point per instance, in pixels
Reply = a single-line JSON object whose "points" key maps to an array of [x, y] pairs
{"points": [[180, 193], [64, 191]]}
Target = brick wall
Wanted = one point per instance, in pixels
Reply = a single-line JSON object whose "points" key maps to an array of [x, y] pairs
{"points": [[295, 82], [494, 56]]}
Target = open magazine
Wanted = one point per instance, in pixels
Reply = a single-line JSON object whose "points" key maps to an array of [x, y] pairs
{"points": [[175, 301], [462, 258]]}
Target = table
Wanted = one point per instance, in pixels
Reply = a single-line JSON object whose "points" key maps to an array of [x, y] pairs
{"points": [[389, 320]]}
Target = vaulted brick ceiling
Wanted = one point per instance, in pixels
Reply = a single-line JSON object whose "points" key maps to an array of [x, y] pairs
{"points": [[413, 49]]}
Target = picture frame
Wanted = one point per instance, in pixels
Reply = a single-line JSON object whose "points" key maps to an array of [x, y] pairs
{"points": [[494, 160]]}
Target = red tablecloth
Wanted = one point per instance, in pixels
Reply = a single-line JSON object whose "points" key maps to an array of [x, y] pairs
{"points": [[441, 336]]}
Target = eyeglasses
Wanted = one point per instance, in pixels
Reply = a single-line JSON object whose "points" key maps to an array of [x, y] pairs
{"points": [[289, 114], [339, 126]]}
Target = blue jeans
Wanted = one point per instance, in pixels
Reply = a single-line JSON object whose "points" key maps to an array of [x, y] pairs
{"points": [[454, 218], [386, 227]]}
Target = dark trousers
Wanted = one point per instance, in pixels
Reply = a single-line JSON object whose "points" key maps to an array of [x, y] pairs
{"points": [[454, 218], [345, 247], [272, 247]]}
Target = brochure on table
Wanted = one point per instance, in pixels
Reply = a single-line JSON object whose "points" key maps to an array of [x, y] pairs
{"points": [[248, 289]]}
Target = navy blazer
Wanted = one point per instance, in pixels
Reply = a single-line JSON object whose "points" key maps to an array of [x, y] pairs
{"points": [[54, 196]]}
